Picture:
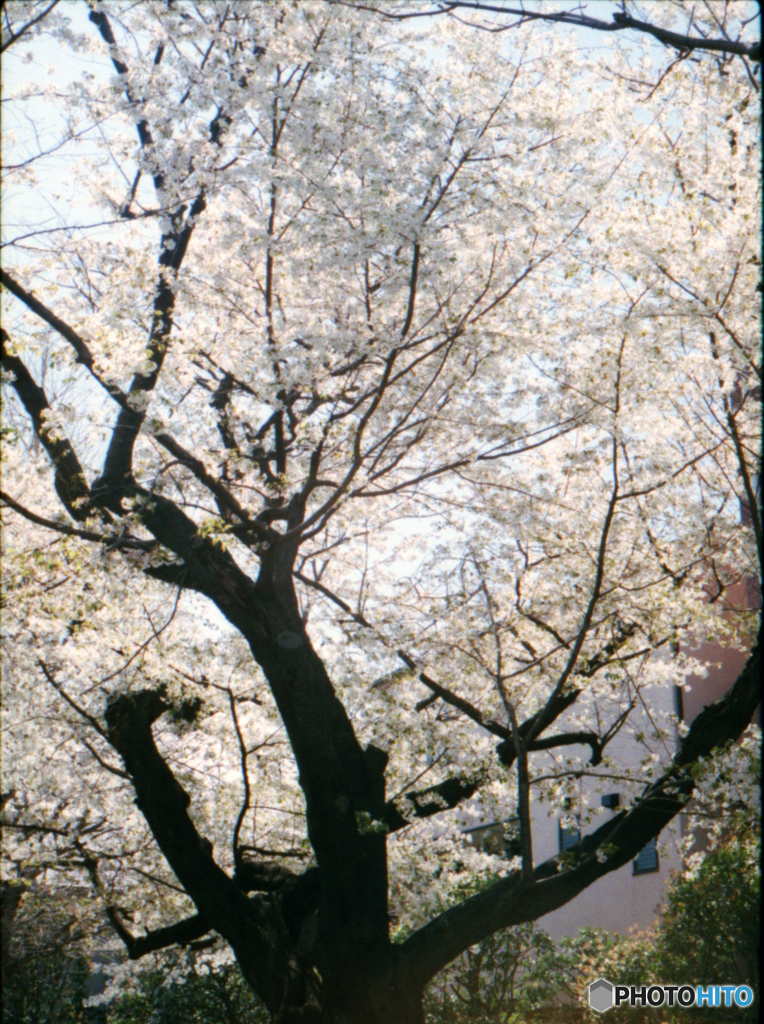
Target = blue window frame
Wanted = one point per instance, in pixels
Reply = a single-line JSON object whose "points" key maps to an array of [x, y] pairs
{"points": [[570, 833], [647, 859], [511, 841]]}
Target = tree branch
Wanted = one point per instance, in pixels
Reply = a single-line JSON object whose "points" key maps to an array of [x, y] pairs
{"points": [[455, 701], [50, 524], [128, 543], [78, 343], [621, 20], [412, 291], [117, 467], [69, 480], [424, 803], [70, 701], [248, 925], [180, 933], [15, 36], [223, 495], [685, 42], [610, 847], [507, 754], [543, 719], [523, 795]]}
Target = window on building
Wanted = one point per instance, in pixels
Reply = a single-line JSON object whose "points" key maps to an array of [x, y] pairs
{"points": [[647, 859], [512, 839], [501, 838], [570, 832]]}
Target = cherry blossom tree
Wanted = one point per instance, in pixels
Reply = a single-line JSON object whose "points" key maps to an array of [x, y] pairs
{"points": [[717, 28], [381, 420]]}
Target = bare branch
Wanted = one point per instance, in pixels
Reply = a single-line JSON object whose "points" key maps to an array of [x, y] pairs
{"points": [[70, 482], [76, 340], [15, 36], [621, 20], [180, 933]]}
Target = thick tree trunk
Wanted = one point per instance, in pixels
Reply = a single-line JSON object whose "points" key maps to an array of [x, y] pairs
{"points": [[371, 997], [335, 963], [330, 959], [361, 986]]}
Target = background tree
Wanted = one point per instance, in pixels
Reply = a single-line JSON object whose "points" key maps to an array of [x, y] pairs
{"points": [[709, 924], [212, 997], [708, 929], [493, 981], [44, 974], [417, 347]]}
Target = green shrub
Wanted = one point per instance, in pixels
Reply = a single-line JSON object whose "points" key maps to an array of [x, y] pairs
{"points": [[707, 933], [709, 929], [496, 981], [45, 988], [220, 997]]}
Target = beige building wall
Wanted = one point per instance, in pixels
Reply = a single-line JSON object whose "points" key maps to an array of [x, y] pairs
{"points": [[623, 901]]}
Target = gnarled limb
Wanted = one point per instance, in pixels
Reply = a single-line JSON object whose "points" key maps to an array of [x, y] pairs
{"points": [[253, 927], [181, 933], [507, 754], [69, 480], [424, 803]]}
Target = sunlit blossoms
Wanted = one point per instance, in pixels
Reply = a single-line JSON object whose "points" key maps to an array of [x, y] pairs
{"points": [[381, 433]]}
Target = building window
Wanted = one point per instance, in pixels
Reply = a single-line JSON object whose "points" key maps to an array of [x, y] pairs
{"points": [[500, 838], [512, 842], [647, 859], [570, 833]]}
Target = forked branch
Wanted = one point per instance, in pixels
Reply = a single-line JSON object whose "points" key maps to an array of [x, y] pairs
{"points": [[181, 933]]}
